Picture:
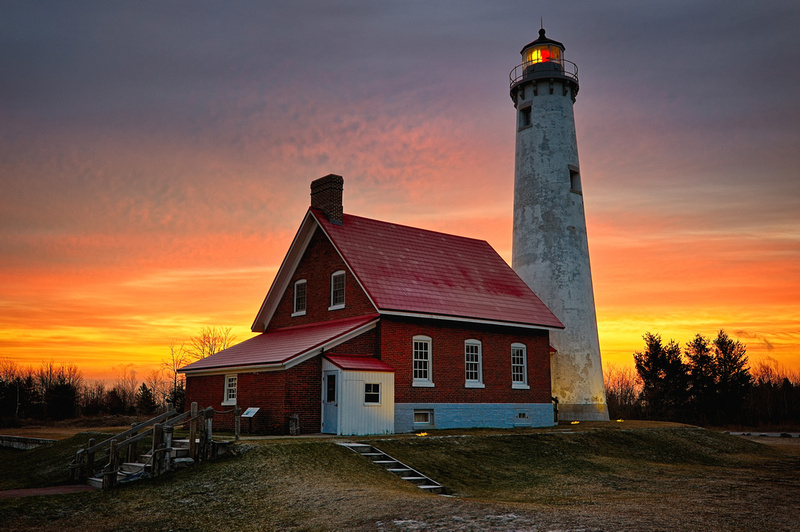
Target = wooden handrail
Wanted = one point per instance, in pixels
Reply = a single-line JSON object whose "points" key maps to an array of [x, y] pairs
{"points": [[132, 430]]}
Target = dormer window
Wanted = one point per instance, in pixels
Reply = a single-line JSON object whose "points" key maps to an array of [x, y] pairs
{"points": [[337, 290], [299, 308]]}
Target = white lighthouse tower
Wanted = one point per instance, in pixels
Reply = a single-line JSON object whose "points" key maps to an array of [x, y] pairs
{"points": [[550, 250]]}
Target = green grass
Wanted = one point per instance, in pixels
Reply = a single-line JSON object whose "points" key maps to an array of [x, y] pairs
{"points": [[609, 479]]}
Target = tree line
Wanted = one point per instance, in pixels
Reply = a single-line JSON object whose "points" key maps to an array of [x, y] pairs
{"points": [[59, 391], [706, 382]]}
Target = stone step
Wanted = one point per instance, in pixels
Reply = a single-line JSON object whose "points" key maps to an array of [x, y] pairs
{"points": [[95, 482]]}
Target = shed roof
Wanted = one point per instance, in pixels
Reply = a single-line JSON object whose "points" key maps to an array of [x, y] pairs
{"points": [[284, 347], [359, 363]]}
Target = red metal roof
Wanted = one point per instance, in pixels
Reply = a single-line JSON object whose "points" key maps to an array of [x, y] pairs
{"points": [[359, 363], [410, 270], [279, 346]]}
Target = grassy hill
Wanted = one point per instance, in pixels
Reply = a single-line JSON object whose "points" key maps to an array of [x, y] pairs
{"points": [[605, 478]]}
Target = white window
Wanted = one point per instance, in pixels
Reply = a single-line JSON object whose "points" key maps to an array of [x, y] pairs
{"points": [[372, 393], [299, 298], [423, 375], [229, 398], [519, 366], [337, 290], [473, 364]]}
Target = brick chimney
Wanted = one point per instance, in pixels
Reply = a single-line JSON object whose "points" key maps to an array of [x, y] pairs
{"points": [[326, 195]]}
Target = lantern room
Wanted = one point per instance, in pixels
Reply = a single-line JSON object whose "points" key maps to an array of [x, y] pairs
{"points": [[542, 50], [543, 60]]}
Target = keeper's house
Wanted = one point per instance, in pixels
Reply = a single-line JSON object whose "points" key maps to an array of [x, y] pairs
{"points": [[372, 327]]}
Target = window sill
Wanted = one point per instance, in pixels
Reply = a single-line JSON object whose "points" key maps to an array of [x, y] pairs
{"points": [[520, 386], [470, 384], [299, 313], [336, 307], [423, 384], [228, 403]]}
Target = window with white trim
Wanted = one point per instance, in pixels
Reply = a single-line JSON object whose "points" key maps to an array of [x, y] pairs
{"points": [[519, 366], [299, 308], [473, 364], [422, 361], [231, 384], [423, 419], [372, 393], [337, 290]]}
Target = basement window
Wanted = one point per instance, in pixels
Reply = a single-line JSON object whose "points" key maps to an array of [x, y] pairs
{"points": [[423, 419]]}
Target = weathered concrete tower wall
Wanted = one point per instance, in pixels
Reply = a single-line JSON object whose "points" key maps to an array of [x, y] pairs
{"points": [[550, 249]]}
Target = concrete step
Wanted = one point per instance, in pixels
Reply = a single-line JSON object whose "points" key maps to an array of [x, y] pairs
{"points": [[394, 466], [95, 482], [419, 481]]}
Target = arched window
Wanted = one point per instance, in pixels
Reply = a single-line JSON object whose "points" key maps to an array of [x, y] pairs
{"points": [[337, 290], [299, 307]]}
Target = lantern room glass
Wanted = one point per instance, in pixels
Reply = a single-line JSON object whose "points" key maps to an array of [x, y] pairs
{"points": [[542, 53]]}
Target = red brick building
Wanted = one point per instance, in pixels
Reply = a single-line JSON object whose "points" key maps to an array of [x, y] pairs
{"points": [[373, 327]]}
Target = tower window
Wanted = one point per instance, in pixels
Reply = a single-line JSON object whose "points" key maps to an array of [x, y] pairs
{"points": [[525, 117], [575, 180]]}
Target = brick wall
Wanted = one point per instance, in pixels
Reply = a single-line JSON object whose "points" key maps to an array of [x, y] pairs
{"points": [[448, 362], [318, 263], [278, 394]]}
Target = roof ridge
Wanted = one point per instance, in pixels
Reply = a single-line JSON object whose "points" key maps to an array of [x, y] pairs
{"points": [[362, 317], [318, 212]]}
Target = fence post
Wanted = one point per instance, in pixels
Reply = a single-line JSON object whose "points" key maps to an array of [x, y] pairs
{"points": [[90, 459], [209, 441], [110, 471], [237, 418], [158, 445], [132, 454], [193, 432], [168, 447]]}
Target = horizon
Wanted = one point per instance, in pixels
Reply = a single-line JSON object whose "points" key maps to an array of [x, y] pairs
{"points": [[155, 163]]}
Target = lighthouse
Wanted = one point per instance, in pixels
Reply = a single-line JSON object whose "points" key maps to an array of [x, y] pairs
{"points": [[550, 248]]}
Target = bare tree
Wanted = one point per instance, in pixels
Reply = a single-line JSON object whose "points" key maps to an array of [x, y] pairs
{"points": [[125, 387], [210, 340], [177, 358], [159, 384]]}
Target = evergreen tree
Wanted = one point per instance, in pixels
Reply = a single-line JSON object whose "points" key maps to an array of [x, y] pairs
{"points": [[664, 378], [733, 376], [702, 368], [145, 402]]}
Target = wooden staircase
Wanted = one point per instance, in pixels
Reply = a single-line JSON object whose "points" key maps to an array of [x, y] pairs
{"points": [[116, 460], [395, 466]]}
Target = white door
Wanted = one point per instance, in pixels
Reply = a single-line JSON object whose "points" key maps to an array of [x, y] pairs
{"points": [[330, 402]]}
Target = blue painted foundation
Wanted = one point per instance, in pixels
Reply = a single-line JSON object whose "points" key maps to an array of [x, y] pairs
{"points": [[483, 415]]}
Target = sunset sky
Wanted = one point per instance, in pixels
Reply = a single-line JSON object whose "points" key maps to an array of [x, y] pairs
{"points": [[155, 158]]}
